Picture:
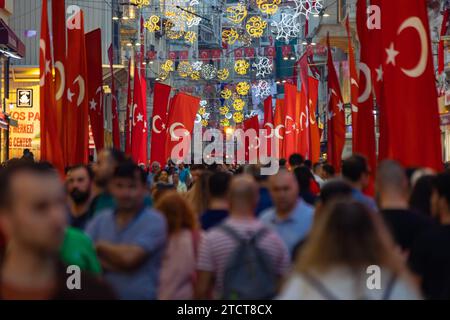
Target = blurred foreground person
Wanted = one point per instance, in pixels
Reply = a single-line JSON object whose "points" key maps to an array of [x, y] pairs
{"points": [[317, 171], [218, 185], [130, 240], [430, 255], [335, 261], [291, 217], [198, 195], [393, 194], [33, 216], [228, 265], [305, 180], [420, 199], [178, 269]]}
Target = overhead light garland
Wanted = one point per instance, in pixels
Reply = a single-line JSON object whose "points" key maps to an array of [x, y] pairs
{"points": [[184, 69], [238, 117], [225, 122], [223, 74], [288, 27], [268, 6], [238, 104], [230, 36], [208, 72], [224, 110], [264, 66], [152, 24], [262, 89], [237, 14], [226, 94], [255, 26], [307, 7], [168, 66], [242, 88], [241, 66]]}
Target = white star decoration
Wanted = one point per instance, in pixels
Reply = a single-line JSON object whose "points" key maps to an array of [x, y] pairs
{"points": [[340, 106], [262, 89], [288, 27], [307, 7], [379, 73], [93, 104], [47, 66], [263, 66], [140, 117], [392, 54]]}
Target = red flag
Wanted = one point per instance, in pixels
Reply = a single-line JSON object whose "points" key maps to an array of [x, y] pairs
{"points": [[365, 144], [95, 89], [270, 51], [115, 113], [50, 147], [410, 95], [182, 111], [143, 80], [216, 54], [290, 122], [59, 49], [159, 121], [204, 54], [172, 55], [249, 52], [302, 130], [251, 146], [238, 54], [314, 134], [286, 50], [354, 86], [139, 129], [77, 104], [278, 123], [335, 115], [268, 123], [128, 120], [183, 55]]}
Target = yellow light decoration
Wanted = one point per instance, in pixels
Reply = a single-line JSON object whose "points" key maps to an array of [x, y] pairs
{"points": [[184, 69], [195, 75], [140, 3], [243, 88], [223, 74], [224, 110], [163, 75], [225, 123], [202, 111], [204, 122], [238, 104], [167, 66], [152, 24], [237, 14], [172, 34], [268, 6], [256, 26], [230, 36], [245, 39], [190, 36], [241, 66], [226, 94], [188, 15], [238, 117]]}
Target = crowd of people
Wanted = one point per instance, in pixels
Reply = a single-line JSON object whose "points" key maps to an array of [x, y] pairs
{"points": [[179, 231]]}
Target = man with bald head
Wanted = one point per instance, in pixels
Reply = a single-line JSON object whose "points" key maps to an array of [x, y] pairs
{"points": [[393, 194], [291, 217], [217, 246]]}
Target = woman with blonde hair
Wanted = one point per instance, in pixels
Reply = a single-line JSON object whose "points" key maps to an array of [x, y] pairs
{"points": [[198, 195], [349, 255], [178, 276]]}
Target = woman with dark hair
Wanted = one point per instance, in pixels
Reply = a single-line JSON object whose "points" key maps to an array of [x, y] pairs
{"points": [[420, 199], [305, 179], [348, 255]]}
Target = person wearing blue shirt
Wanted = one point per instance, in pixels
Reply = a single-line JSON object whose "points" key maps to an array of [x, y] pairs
{"points": [[217, 212], [130, 240], [291, 217]]}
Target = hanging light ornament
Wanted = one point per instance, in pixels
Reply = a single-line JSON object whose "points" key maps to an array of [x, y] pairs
{"points": [[237, 14], [203, 103], [307, 7], [229, 115], [262, 89], [163, 75], [195, 75], [224, 110], [197, 65], [223, 74], [238, 117], [242, 88], [263, 66], [225, 122], [238, 104], [152, 24], [140, 3], [204, 123], [184, 69], [288, 27], [241, 66], [188, 15], [268, 6], [230, 36], [202, 111], [190, 36], [255, 26], [168, 66], [226, 94], [245, 39], [208, 72]]}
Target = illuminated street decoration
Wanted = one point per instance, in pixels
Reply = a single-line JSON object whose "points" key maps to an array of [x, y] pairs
{"points": [[238, 104], [208, 72], [229, 115], [223, 74], [225, 123], [238, 117], [197, 65], [263, 66], [202, 111], [195, 75], [237, 14], [241, 66], [190, 36], [255, 26], [204, 123], [307, 7], [224, 110], [268, 6], [152, 24], [288, 27], [230, 36], [140, 3], [242, 88], [245, 39], [226, 94], [262, 89], [163, 75], [168, 66], [188, 15], [203, 103], [184, 69]]}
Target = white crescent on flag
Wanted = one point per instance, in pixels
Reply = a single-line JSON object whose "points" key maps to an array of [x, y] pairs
{"points": [[277, 131], [62, 74], [292, 120], [172, 129], [270, 125], [365, 70], [42, 48], [155, 130], [416, 23], [82, 91]]}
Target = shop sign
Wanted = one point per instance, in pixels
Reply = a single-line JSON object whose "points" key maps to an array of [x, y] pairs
{"points": [[24, 98]]}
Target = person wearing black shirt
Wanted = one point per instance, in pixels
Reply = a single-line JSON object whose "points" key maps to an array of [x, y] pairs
{"points": [[218, 184], [393, 195], [430, 255]]}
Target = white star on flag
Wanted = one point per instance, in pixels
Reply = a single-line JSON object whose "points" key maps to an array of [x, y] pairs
{"points": [[379, 73], [70, 94], [140, 117], [93, 104], [340, 106], [331, 114], [392, 54], [47, 66]]}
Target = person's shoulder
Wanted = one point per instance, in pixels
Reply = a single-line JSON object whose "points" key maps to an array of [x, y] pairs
{"points": [[267, 215], [102, 215], [152, 215]]}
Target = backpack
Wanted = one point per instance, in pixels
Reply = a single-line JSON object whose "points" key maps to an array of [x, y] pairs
{"points": [[249, 273]]}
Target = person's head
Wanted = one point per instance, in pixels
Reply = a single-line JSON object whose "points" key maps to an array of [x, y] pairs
{"points": [[175, 178], [282, 163], [317, 169], [26, 151], [107, 162], [333, 190], [391, 182], [440, 199], [163, 176], [218, 185], [243, 195], [328, 171], [296, 160], [181, 165], [32, 207], [196, 171], [348, 235], [284, 191], [356, 171], [420, 199], [308, 164], [179, 215], [127, 186], [79, 183], [304, 177], [156, 167], [160, 188]]}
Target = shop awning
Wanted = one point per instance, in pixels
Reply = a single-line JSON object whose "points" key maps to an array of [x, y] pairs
{"points": [[9, 41]]}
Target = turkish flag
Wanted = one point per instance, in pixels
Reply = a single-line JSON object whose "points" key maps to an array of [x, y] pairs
{"points": [[172, 55], [270, 51], [128, 120], [335, 115], [204, 54], [95, 89], [268, 124], [290, 122], [184, 55], [314, 134], [252, 145], [115, 113], [59, 50], [77, 102], [50, 147], [365, 143], [139, 121], [238, 53], [409, 90], [441, 53], [216, 54], [354, 86], [180, 123], [278, 123], [159, 121], [302, 129], [249, 52]]}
